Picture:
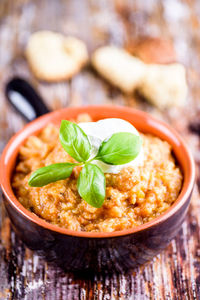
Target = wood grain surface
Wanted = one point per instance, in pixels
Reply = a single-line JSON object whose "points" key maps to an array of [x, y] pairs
{"points": [[175, 273]]}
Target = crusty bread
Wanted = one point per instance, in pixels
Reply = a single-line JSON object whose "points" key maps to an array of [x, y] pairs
{"points": [[54, 57], [119, 67], [153, 50], [163, 85]]}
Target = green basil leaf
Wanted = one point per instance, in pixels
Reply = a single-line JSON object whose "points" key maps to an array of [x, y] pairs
{"points": [[92, 185], [120, 148], [51, 173], [74, 141]]}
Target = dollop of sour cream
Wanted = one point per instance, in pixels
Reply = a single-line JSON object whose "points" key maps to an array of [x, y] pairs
{"points": [[101, 130]]}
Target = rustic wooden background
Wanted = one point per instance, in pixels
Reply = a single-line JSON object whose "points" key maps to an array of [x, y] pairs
{"points": [[175, 273]]}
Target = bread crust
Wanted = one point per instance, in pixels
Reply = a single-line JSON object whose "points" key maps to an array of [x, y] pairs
{"points": [[153, 50], [53, 57], [163, 85]]}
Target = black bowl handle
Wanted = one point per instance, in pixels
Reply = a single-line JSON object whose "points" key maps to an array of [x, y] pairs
{"points": [[23, 97]]}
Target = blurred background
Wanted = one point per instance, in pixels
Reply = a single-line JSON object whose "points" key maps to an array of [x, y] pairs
{"points": [[174, 274]]}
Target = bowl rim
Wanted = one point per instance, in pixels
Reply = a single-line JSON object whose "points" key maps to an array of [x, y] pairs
{"points": [[185, 193]]}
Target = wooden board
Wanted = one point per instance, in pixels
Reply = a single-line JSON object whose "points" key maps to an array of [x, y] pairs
{"points": [[175, 273]]}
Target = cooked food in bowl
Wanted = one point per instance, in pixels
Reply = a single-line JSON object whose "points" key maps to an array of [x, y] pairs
{"points": [[137, 189], [100, 251]]}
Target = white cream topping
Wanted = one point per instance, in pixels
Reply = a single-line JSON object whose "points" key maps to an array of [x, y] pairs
{"points": [[101, 130]]}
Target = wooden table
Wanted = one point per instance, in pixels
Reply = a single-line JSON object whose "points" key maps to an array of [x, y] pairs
{"points": [[175, 273]]}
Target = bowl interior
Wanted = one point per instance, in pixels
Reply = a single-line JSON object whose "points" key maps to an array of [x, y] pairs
{"points": [[142, 121]]}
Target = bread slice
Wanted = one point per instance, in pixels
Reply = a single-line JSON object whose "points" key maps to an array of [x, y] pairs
{"points": [[54, 57]]}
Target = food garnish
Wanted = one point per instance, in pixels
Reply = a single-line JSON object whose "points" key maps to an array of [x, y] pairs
{"points": [[119, 149]]}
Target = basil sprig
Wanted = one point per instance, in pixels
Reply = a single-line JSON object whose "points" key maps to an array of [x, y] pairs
{"points": [[120, 148], [74, 141], [92, 185], [51, 173]]}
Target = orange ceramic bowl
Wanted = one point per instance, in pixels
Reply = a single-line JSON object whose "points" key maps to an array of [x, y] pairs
{"points": [[91, 251]]}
